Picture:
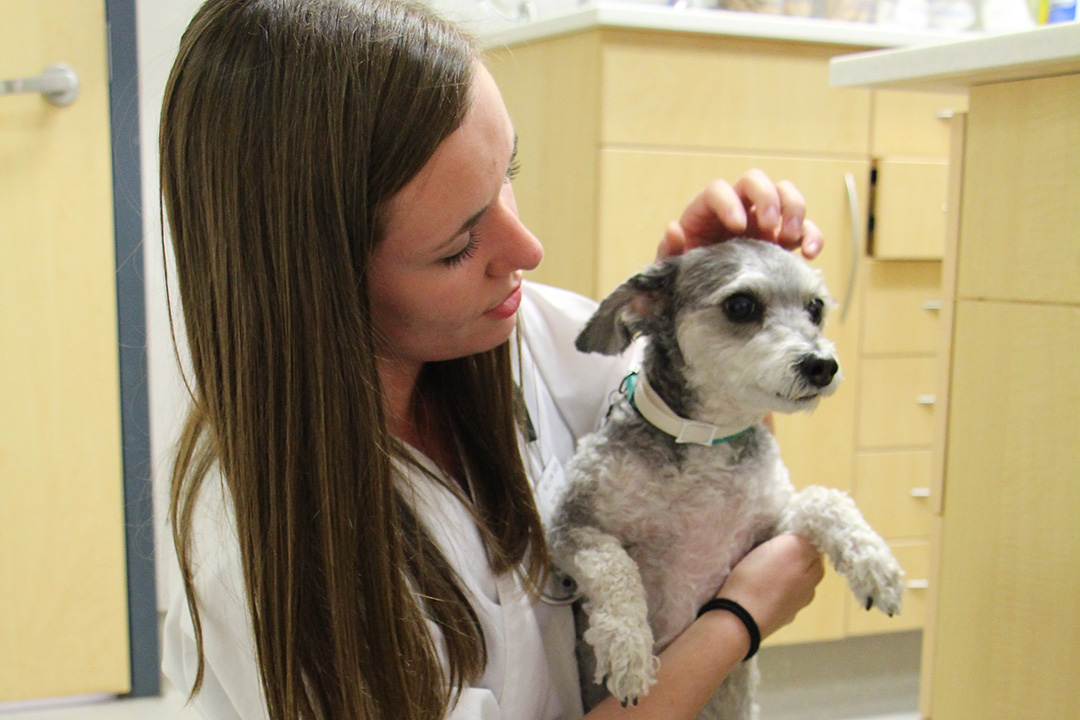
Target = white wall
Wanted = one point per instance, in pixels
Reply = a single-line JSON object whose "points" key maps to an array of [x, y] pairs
{"points": [[160, 25]]}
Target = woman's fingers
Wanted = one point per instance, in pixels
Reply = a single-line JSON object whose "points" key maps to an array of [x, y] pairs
{"points": [[754, 207], [763, 203]]}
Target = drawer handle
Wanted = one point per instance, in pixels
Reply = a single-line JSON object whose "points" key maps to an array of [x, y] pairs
{"points": [[928, 399], [917, 584], [921, 492], [932, 305], [946, 114]]}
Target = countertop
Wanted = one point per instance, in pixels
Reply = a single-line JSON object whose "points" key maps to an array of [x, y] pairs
{"points": [[644, 15], [958, 65]]}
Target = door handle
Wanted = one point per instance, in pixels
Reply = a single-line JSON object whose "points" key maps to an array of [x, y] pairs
{"points": [[58, 84]]}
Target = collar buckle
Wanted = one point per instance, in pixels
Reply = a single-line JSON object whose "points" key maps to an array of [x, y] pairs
{"points": [[696, 433]]}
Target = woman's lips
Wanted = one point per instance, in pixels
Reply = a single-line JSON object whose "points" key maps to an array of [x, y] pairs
{"points": [[507, 307]]}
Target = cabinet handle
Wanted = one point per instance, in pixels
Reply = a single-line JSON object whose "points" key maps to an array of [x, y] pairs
{"points": [[857, 230], [920, 492], [928, 399], [945, 114], [917, 584], [932, 305]]}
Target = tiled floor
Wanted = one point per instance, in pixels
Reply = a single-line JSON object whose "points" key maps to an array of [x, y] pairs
{"points": [[170, 708], [874, 678]]}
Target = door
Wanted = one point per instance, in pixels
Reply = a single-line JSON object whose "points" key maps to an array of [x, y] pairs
{"points": [[63, 603]]}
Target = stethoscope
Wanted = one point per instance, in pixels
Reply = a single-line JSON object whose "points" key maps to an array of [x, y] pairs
{"points": [[561, 589]]}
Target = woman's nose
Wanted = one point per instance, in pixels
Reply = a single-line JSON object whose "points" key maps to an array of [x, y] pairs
{"points": [[516, 247]]}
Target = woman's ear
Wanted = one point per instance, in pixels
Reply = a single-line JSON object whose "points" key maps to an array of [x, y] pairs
{"points": [[629, 310]]}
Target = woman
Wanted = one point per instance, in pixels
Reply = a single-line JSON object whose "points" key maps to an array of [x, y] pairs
{"points": [[364, 437]]}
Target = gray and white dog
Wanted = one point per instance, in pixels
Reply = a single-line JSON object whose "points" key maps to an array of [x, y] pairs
{"points": [[683, 479]]}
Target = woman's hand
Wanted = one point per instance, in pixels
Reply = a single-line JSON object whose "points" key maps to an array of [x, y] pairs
{"points": [[775, 580], [753, 207]]}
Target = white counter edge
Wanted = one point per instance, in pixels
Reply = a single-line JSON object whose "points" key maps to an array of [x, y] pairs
{"points": [[713, 22], [957, 65]]}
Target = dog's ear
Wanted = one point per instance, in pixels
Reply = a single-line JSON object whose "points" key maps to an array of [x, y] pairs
{"points": [[629, 310]]}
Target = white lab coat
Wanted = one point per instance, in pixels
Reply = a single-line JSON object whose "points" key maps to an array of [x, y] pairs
{"points": [[531, 672]]}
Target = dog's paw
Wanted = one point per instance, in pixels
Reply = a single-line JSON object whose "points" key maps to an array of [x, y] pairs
{"points": [[878, 581], [624, 659]]}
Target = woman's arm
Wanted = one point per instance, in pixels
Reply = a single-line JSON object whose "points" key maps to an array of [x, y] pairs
{"points": [[773, 582]]}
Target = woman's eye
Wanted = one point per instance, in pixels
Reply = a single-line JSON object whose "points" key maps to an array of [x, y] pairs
{"points": [[816, 309], [743, 308], [466, 252]]}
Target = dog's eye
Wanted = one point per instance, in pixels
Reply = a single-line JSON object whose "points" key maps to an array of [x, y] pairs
{"points": [[816, 308], [743, 308]]}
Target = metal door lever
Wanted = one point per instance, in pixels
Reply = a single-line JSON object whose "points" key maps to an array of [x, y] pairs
{"points": [[58, 84]]}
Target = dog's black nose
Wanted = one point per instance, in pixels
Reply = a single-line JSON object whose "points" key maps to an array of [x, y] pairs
{"points": [[818, 370]]}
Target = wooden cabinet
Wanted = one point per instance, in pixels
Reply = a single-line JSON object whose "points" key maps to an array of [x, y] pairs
{"points": [[619, 129], [1005, 640], [1002, 639]]}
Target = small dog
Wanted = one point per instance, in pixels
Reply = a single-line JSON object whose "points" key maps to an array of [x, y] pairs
{"points": [[683, 479]]}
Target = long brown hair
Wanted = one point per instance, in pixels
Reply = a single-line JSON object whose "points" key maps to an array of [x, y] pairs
{"points": [[286, 127]]}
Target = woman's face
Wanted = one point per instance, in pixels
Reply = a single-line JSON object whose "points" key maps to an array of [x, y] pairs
{"points": [[446, 279]]}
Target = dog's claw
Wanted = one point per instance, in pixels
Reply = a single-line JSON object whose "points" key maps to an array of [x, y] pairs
{"points": [[870, 603]]}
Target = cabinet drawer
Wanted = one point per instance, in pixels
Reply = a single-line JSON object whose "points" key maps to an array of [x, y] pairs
{"points": [[892, 489], [909, 209], [896, 402], [707, 92], [903, 308], [913, 124], [914, 558]]}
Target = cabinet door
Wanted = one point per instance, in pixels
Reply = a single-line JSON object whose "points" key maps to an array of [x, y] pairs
{"points": [[910, 209], [1007, 640], [642, 191], [1021, 202], [63, 605]]}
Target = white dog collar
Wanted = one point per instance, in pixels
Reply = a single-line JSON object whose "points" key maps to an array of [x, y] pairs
{"points": [[653, 408]]}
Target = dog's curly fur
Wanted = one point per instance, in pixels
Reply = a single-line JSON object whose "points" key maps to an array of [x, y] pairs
{"points": [[649, 528]]}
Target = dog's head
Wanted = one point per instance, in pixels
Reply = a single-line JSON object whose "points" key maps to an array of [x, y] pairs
{"points": [[743, 319]]}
